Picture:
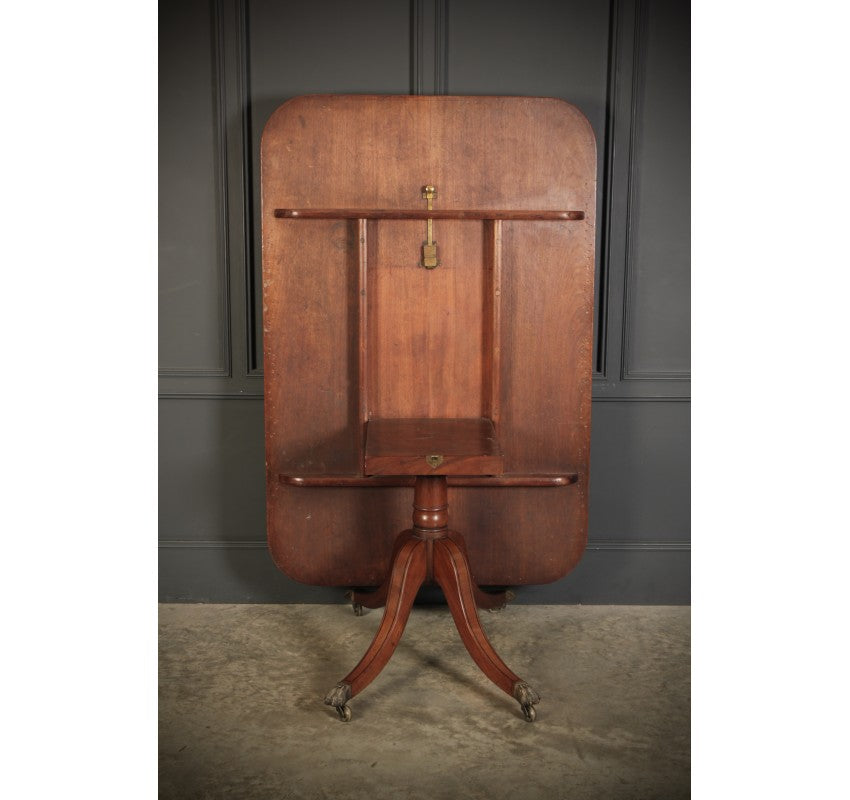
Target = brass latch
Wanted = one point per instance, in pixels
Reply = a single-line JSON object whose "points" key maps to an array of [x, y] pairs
{"points": [[429, 247], [434, 460]]}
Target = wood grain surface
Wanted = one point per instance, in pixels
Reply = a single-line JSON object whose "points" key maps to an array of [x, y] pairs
{"points": [[355, 329], [403, 446]]}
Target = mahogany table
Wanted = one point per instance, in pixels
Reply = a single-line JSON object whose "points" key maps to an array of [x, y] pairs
{"points": [[428, 270]]}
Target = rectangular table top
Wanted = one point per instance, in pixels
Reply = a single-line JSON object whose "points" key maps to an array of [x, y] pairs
{"points": [[359, 335]]}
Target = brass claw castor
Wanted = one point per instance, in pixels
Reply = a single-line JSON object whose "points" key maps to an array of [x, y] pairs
{"points": [[509, 596], [358, 607], [338, 697], [527, 698]]}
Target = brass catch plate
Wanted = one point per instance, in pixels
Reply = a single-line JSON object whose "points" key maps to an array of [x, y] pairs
{"points": [[434, 461], [429, 255]]}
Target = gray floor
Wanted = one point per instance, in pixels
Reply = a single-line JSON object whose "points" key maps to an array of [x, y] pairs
{"points": [[241, 713]]}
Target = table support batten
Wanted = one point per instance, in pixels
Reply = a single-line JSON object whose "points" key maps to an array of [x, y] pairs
{"points": [[365, 244], [420, 214], [491, 343]]}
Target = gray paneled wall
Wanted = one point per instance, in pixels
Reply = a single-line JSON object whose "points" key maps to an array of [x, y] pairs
{"points": [[226, 65], [194, 334]]}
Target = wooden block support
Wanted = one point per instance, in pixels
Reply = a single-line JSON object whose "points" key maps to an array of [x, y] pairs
{"points": [[432, 447]]}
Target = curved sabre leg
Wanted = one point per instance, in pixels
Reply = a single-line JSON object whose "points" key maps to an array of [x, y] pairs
{"points": [[489, 601], [378, 597], [451, 571], [407, 575]]}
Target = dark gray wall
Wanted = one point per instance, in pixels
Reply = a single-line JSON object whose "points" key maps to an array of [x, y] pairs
{"points": [[226, 65]]}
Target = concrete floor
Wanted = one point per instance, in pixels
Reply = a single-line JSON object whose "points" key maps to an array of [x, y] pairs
{"points": [[241, 712]]}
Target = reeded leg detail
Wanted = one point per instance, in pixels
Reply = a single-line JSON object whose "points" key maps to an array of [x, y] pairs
{"points": [[451, 571], [408, 574], [489, 601], [378, 597]]}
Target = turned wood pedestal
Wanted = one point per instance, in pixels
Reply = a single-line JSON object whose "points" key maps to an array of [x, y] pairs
{"points": [[429, 551]]}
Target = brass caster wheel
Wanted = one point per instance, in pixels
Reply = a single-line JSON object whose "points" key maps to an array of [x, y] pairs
{"points": [[509, 595], [358, 608], [527, 699], [338, 697]]}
